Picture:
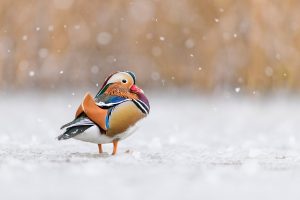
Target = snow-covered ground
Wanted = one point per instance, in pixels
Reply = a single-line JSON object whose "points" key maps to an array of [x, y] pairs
{"points": [[190, 147]]}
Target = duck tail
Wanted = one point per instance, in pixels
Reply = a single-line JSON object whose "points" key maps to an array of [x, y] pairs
{"points": [[73, 131]]}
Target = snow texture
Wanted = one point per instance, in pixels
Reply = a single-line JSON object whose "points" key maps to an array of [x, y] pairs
{"points": [[188, 148]]}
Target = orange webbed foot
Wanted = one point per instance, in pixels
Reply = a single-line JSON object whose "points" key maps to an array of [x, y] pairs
{"points": [[115, 143], [100, 148]]}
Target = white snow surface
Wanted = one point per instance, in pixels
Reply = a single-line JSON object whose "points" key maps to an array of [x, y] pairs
{"points": [[190, 147]]}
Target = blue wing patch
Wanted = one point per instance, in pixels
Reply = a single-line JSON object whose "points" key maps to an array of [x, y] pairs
{"points": [[115, 99], [111, 101], [108, 117]]}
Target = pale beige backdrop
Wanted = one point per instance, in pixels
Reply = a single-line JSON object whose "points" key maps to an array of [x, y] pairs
{"points": [[209, 44]]}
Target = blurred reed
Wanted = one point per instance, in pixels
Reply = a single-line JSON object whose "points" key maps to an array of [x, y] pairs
{"points": [[206, 45]]}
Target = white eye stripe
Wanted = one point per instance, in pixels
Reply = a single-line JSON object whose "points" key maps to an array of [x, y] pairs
{"points": [[116, 78], [119, 77]]}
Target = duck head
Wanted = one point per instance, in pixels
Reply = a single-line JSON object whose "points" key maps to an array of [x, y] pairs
{"points": [[123, 84]]}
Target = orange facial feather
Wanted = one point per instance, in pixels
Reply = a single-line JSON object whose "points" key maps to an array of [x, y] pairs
{"points": [[117, 90]]}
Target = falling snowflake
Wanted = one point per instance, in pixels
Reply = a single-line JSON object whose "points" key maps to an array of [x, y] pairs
{"points": [[94, 69], [269, 71], [25, 37], [278, 56], [77, 27], [237, 90], [50, 28], [149, 36], [31, 73], [43, 53], [104, 38], [189, 43], [155, 76]]}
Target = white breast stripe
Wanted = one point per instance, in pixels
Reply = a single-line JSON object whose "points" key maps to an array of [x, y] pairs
{"points": [[140, 106], [103, 104], [145, 105]]}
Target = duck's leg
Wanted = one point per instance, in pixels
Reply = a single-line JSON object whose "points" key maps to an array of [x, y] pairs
{"points": [[100, 148], [115, 143]]}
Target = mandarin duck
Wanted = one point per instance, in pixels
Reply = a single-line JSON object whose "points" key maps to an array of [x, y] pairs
{"points": [[111, 115]]}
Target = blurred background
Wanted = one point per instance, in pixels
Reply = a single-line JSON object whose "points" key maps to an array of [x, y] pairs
{"points": [[249, 46], [222, 78]]}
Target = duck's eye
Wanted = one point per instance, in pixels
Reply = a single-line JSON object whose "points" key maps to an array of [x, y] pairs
{"points": [[124, 81]]}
